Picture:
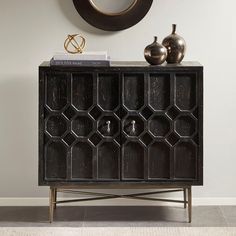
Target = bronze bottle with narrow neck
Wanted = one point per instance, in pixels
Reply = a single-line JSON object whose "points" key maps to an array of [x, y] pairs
{"points": [[155, 53], [175, 45]]}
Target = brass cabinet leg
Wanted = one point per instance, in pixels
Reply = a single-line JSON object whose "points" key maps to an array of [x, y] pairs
{"points": [[55, 199], [190, 204], [185, 199], [51, 204]]}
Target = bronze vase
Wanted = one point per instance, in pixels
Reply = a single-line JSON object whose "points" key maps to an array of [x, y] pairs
{"points": [[175, 46], [155, 53]]}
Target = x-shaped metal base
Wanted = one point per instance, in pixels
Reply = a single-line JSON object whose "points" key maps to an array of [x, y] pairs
{"points": [[102, 196]]}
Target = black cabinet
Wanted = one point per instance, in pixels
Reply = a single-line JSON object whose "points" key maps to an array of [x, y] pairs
{"points": [[125, 124]]}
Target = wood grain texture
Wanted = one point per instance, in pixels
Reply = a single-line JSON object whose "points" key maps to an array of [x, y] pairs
{"points": [[128, 125]]}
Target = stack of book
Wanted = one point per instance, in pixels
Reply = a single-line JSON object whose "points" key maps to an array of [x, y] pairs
{"points": [[83, 59]]}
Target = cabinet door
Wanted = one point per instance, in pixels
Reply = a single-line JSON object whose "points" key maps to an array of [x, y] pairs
{"points": [[95, 153], [160, 137], [81, 127]]}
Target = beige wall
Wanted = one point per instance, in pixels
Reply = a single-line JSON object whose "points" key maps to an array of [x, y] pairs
{"points": [[31, 31]]}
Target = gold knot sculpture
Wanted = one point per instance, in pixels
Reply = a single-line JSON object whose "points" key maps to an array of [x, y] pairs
{"points": [[71, 44]]}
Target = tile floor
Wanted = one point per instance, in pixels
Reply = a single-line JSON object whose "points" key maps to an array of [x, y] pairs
{"points": [[118, 216]]}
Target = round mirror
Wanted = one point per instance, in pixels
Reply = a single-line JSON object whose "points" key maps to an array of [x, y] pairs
{"points": [[112, 15], [111, 7]]}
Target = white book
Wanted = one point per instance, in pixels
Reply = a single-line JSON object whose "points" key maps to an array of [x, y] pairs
{"points": [[85, 56]]}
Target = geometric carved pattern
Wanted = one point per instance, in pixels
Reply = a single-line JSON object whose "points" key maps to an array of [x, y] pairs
{"points": [[159, 126], [56, 126], [95, 139], [69, 139], [195, 113], [69, 112], [117, 125], [173, 112], [146, 113], [133, 125], [82, 126], [172, 138], [146, 139], [121, 112], [108, 126], [95, 112], [185, 126]]}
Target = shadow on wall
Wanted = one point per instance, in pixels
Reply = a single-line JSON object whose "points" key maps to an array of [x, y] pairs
{"points": [[18, 125], [73, 16]]}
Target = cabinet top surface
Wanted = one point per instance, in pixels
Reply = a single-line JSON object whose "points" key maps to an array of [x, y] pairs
{"points": [[132, 64]]}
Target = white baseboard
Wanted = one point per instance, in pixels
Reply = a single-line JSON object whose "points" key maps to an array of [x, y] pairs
{"points": [[115, 202]]}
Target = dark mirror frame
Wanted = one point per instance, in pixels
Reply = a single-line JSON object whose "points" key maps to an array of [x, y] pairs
{"points": [[112, 22]]}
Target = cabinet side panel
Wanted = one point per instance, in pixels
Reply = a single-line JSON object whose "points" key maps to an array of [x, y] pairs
{"points": [[200, 125], [40, 127]]}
